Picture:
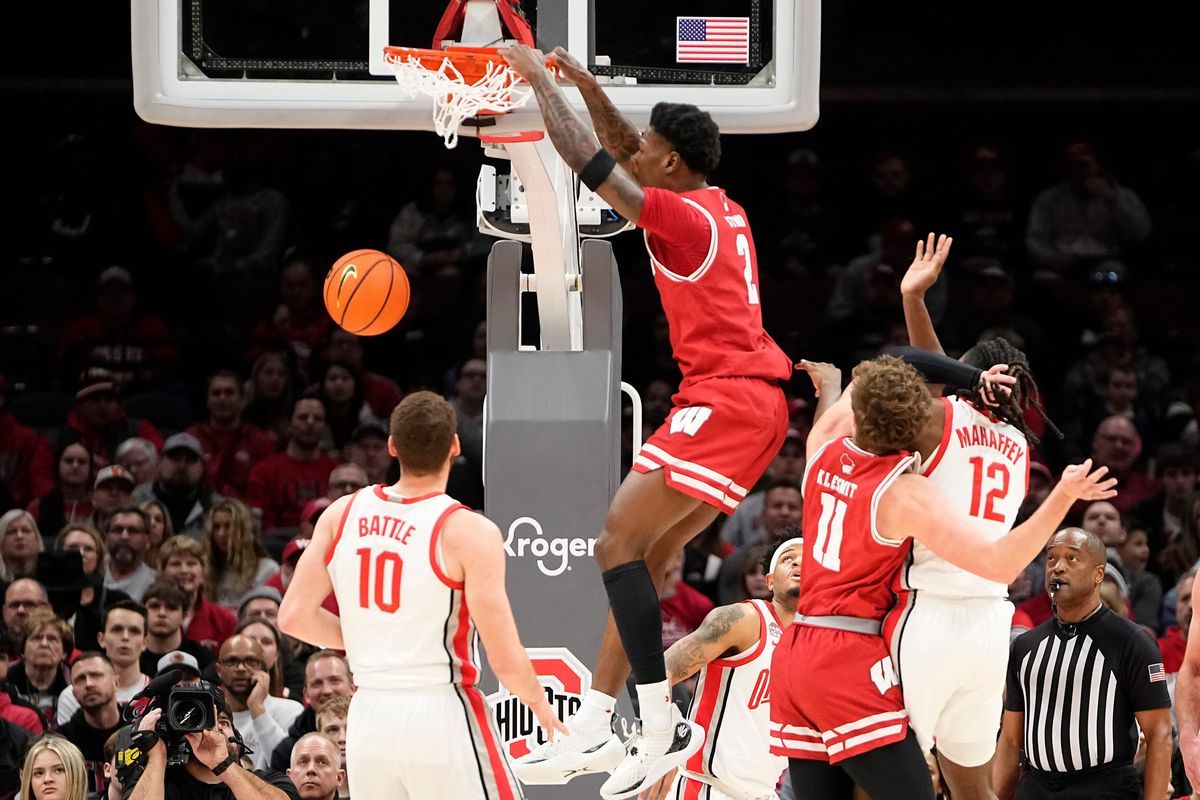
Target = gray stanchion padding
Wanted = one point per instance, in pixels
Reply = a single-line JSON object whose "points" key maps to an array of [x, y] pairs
{"points": [[552, 457]]}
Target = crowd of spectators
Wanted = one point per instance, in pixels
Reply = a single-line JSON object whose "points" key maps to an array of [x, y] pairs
{"points": [[176, 415]]}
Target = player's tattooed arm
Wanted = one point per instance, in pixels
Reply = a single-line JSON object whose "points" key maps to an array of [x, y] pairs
{"points": [[618, 135], [570, 136], [728, 629], [576, 144]]}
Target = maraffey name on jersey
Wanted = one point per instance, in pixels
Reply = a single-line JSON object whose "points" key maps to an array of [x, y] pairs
{"points": [[836, 483], [391, 527], [984, 436]]}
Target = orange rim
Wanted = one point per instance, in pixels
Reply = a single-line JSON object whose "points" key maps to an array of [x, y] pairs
{"points": [[472, 62], [512, 138]]}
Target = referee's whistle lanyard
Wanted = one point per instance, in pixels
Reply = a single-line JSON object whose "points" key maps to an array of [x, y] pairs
{"points": [[1069, 629]]}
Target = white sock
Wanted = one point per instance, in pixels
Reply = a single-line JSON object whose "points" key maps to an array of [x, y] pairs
{"points": [[654, 705], [595, 711]]}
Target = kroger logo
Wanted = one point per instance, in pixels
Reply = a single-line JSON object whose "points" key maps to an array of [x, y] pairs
{"points": [[553, 554]]}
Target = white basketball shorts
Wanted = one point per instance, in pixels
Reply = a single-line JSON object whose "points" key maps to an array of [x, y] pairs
{"points": [[951, 654], [426, 744]]}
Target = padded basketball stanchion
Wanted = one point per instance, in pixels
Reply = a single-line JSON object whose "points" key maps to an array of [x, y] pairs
{"points": [[551, 466], [550, 192]]}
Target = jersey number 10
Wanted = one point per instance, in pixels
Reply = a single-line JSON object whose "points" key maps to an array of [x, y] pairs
{"points": [[385, 582]]}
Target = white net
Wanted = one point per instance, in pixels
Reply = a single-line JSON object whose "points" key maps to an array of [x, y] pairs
{"points": [[455, 100]]}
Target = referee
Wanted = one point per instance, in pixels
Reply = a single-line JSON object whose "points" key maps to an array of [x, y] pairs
{"points": [[1076, 683]]}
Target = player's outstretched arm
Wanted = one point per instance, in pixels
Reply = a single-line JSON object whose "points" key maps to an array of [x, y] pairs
{"points": [[827, 383], [922, 274], [726, 630], [1187, 699], [1006, 769], [570, 136], [472, 548], [618, 135], [834, 423], [300, 614], [913, 506]]}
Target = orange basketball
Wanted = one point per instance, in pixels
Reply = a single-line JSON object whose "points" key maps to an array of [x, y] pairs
{"points": [[366, 292]]}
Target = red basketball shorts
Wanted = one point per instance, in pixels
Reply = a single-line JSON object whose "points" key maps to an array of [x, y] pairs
{"points": [[719, 439], [834, 695]]}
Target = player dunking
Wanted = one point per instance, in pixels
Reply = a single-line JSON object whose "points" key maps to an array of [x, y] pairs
{"points": [[836, 707], [729, 417], [416, 574], [732, 650], [949, 632]]}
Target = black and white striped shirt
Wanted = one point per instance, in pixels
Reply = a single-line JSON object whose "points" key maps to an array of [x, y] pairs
{"points": [[1079, 693]]}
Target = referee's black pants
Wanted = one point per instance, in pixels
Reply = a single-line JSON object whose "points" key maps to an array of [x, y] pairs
{"points": [[1109, 783]]}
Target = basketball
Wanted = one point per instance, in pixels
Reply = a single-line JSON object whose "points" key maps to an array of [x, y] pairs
{"points": [[366, 292]]}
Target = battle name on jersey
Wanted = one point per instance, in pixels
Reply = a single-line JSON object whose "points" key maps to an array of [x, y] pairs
{"points": [[836, 484], [390, 527], [736, 221], [985, 436]]}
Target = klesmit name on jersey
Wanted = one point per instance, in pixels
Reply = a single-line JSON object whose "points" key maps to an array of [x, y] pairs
{"points": [[986, 436], [389, 527], [836, 483]]}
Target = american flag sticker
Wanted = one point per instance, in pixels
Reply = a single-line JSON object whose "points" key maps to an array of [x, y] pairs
{"points": [[712, 40], [1157, 673]]}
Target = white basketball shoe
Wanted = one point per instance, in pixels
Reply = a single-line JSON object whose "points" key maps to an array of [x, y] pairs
{"points": [[588, 750], [651, 755]]}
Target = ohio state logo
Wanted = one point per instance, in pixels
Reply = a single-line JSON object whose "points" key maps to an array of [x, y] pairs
{"points": [[565, 679]]}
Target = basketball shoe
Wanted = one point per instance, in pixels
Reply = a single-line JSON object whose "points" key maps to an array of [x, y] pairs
{"points": [[588, 750], [651, 755]]}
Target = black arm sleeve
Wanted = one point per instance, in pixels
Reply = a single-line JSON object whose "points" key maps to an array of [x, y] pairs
{"points": [[939, 369]]}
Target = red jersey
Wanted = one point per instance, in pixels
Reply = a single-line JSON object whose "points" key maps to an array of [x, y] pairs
{"points": [[210, 624], [280, 485], [26, 461], [706, 270], [847, 569], [230, 454]]}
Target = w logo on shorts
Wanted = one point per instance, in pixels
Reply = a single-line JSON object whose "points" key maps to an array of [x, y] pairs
{"points": [[883, 675], [689, 420]]}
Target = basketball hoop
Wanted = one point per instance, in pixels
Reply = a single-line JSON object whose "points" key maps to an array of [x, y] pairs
{"points": [[464, 82]]}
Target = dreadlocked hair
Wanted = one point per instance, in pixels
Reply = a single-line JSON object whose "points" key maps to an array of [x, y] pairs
{"points": [[1024, 394]]}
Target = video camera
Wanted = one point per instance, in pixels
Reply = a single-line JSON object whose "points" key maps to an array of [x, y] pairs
{"points": [[185, 709]]}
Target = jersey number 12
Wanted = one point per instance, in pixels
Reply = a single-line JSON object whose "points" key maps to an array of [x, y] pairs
{"points": [[997, 473], [383, 582]]}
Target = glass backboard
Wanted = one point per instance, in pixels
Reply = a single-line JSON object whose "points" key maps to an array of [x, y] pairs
{"points": [[754, 64]]}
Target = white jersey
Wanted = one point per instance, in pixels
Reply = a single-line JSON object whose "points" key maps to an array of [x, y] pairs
{"points": [[732, 704], [404, 622], [982, 467]]}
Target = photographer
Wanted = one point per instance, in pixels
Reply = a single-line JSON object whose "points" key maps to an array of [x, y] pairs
{"points": [[212, 770]]}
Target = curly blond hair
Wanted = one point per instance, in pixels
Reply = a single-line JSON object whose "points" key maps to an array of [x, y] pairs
{"points": [[891, 405]]}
